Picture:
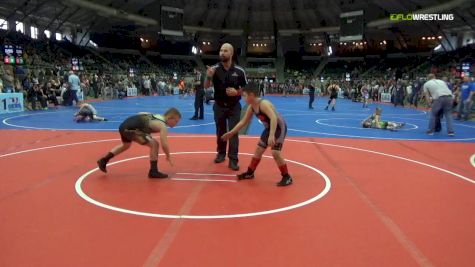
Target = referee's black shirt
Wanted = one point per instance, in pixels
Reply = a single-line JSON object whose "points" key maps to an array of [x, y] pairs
{"points": [[311, 90], [235, 77]]}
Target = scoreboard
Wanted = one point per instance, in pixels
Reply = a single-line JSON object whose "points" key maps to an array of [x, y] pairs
{"points": [[171, 21], [351, 26], [13, 54]]}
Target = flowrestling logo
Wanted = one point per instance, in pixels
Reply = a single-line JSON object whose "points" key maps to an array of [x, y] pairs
{"points": [[410, 16]]}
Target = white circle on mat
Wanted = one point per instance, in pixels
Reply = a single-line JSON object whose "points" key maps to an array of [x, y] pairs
{"points": [[319, 195]]}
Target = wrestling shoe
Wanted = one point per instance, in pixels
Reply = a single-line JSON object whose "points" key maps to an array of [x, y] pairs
{"points": [[286, 180], [245, 175], [157, 174], [102, 163]]}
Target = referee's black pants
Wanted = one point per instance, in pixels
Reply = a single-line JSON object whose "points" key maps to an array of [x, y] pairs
{"points": [[199, 107], [226, 117], [310, 101]]}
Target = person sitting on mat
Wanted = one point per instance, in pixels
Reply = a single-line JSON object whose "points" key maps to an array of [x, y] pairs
{"points": [[138, 128], [87, 113], [374, 121], [272, 136]]}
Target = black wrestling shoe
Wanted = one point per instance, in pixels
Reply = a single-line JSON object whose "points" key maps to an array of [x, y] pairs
{"points": [[286, 180], [157, 174], [102, 163], [233, 165], [219, 158], [193, 118], [245, 175]]}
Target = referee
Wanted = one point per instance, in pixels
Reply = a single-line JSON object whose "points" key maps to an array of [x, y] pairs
{"points": [[311, 94], [199, 96], [227, 79]]}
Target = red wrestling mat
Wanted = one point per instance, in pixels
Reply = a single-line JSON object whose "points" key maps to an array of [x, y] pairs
{"points": [[385, 203]]}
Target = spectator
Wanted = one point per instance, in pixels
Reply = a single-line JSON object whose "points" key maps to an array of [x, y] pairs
{"points": [[75, 86], [465, 99], [8, 80], [440, 97], [36, 94]]}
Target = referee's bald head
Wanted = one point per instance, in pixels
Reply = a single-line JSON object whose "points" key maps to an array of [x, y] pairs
{"points": [[226, 52], [228, 46]]}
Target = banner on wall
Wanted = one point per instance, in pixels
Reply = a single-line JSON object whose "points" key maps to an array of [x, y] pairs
{"points": [[131, 91], [11, 102], [386, 97]]}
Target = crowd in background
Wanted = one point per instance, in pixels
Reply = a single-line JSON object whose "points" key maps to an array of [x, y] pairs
{"points": [[44, 78]]}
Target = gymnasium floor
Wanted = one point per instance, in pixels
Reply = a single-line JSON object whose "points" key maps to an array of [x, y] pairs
{"points": [[361, 197]]}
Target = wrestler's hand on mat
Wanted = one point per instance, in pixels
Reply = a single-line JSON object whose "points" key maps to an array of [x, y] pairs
{"points": [[227, 136], [169, 159], [271, 141]]}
